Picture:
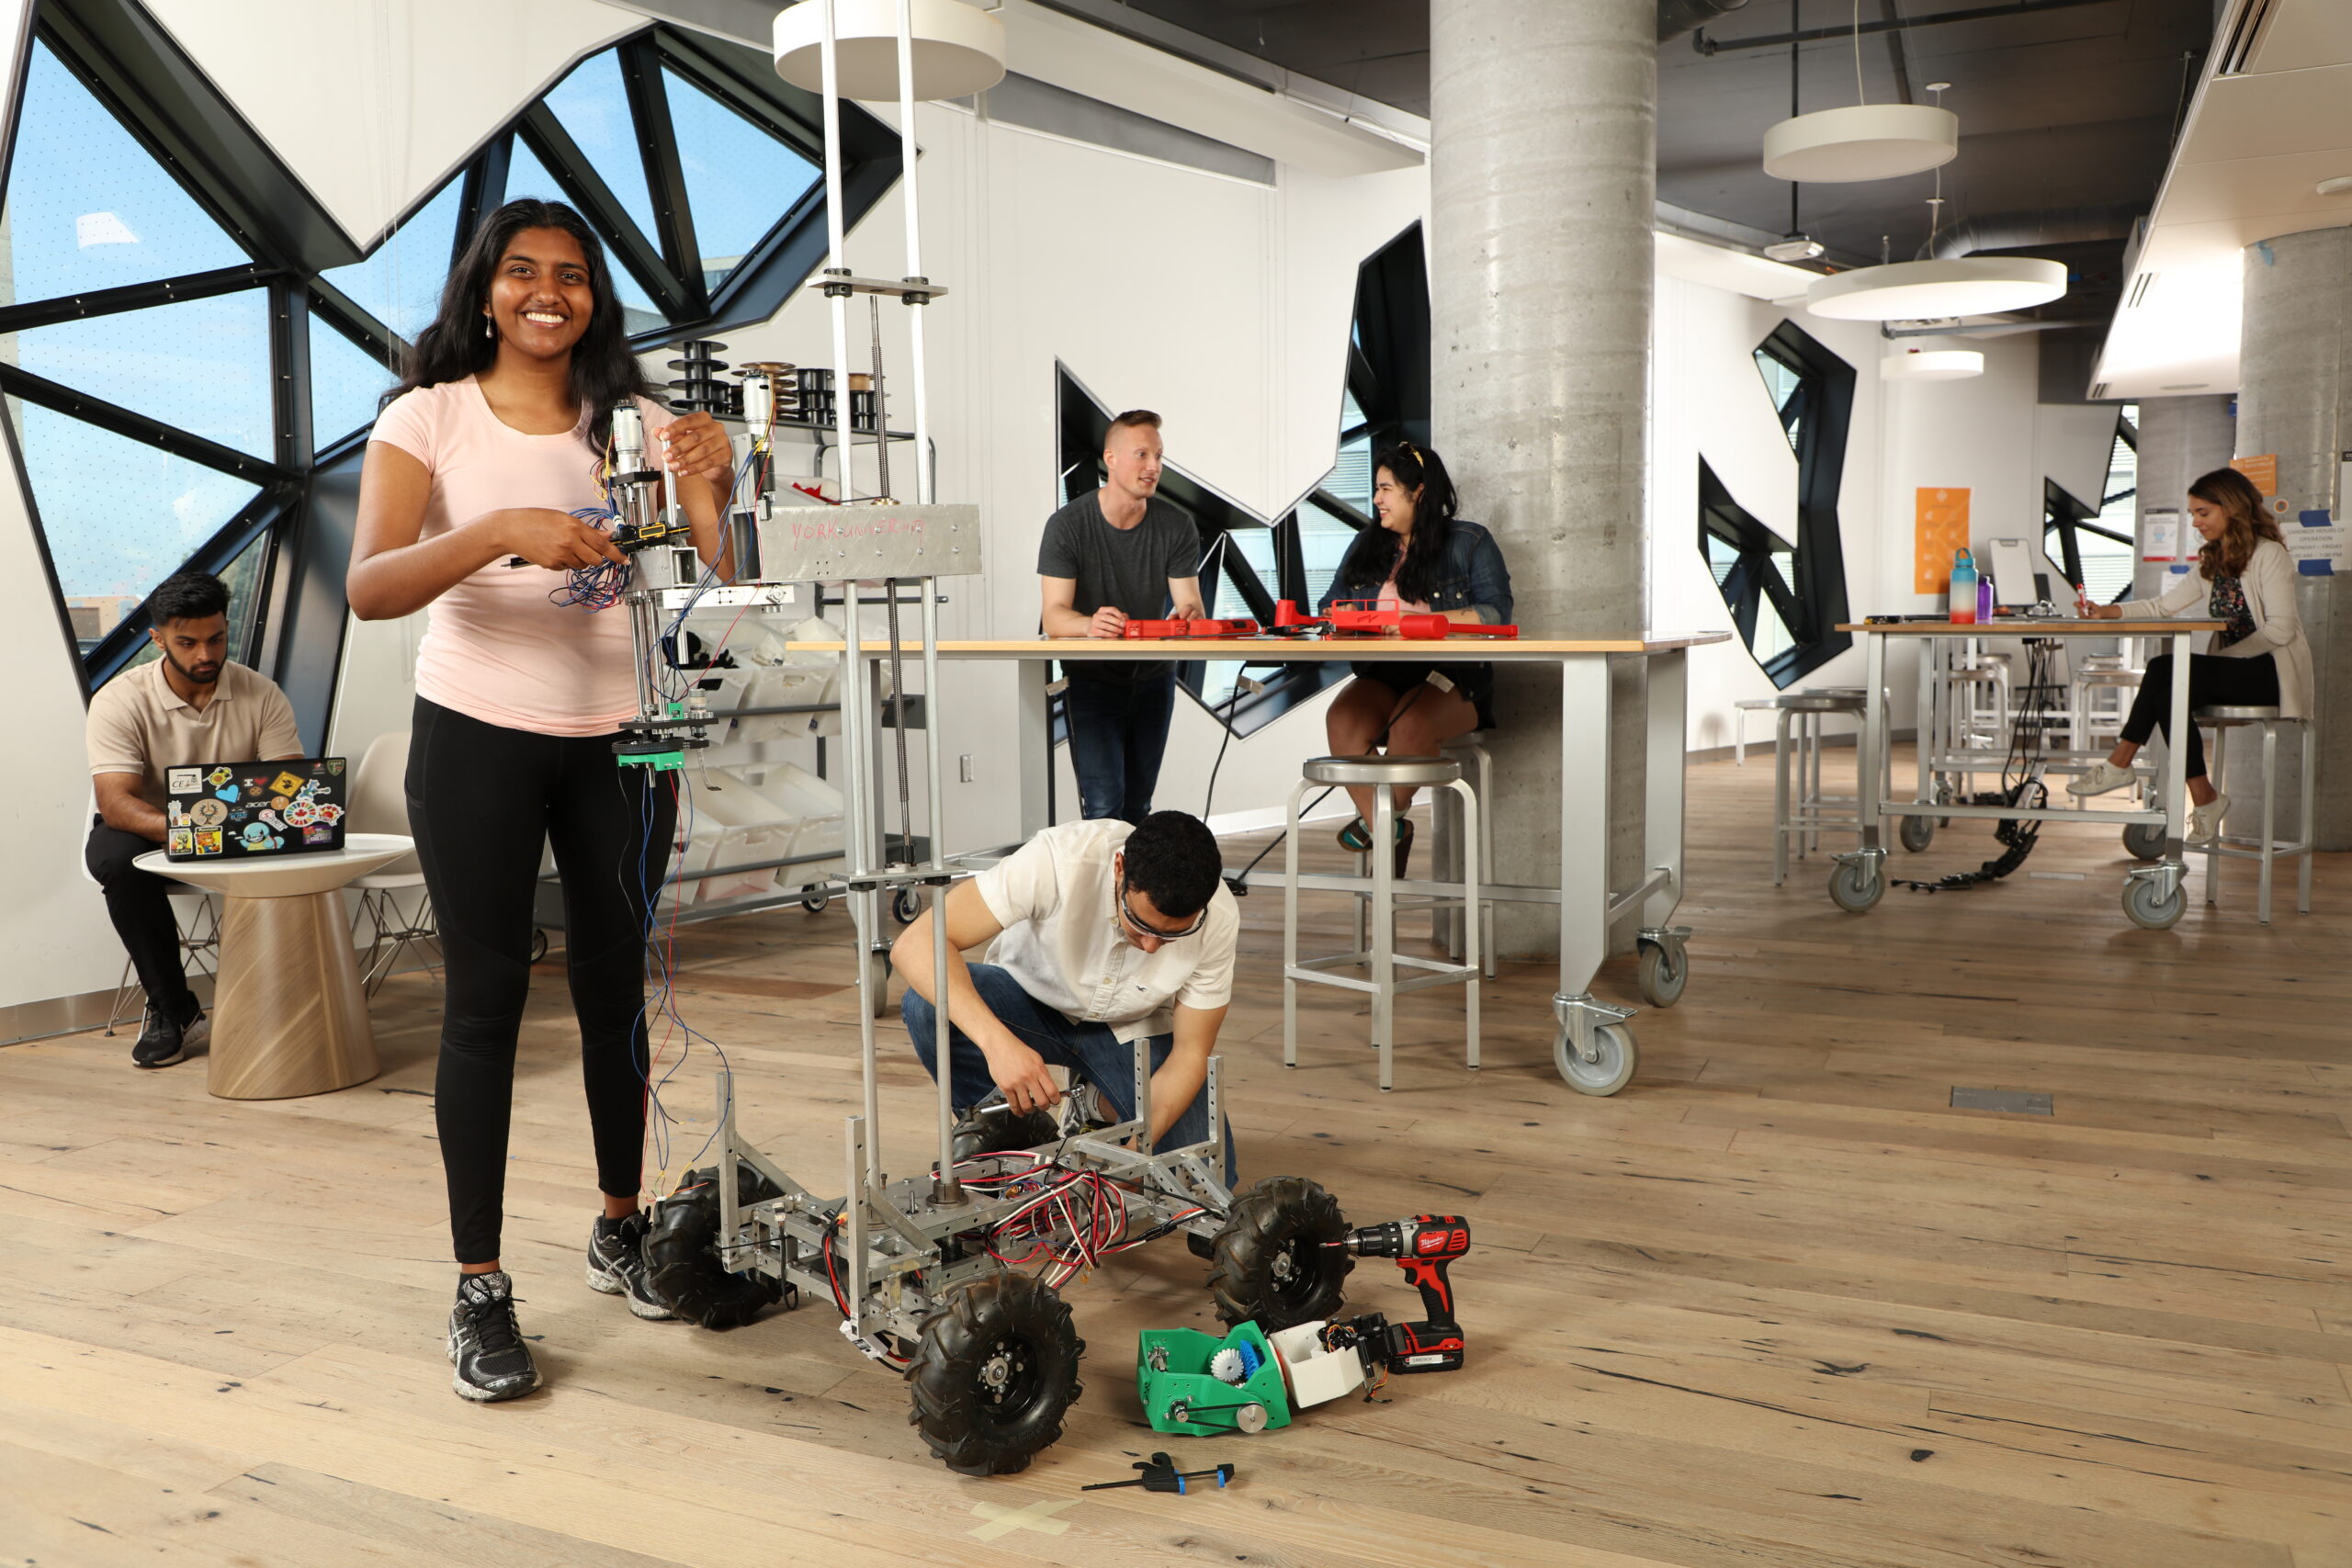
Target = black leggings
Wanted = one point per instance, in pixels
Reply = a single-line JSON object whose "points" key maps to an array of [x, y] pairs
{"points": [[2214, 681], [481, 800]]}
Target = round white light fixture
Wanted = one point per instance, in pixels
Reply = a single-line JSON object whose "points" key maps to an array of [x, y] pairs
{"points": [[1922, 290], [1870, 142], [959, 49], [1931, 364], [2189, 386]]}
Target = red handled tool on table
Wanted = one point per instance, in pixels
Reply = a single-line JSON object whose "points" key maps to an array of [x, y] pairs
{"points": [[1422, 1248]]}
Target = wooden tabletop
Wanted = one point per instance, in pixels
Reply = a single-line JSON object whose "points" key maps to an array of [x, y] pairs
{"points": [[2014, 627], [1267, 649]]}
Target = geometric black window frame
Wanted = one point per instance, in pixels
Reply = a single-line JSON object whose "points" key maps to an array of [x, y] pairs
{"points": [[1754, 580], [2070, 517], [306, 505], [1815, 416]]}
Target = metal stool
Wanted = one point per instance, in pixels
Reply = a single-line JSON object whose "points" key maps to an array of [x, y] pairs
{"points": [[1446, 854], [1384, 776], [1802, 715], [2267, 848]]}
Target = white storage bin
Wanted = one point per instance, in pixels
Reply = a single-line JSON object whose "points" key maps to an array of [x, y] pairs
{"points": [[744, 826], [813, 808]]}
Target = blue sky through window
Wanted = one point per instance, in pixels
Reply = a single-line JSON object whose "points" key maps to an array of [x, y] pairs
{"points": [[345, 385], [400, 285], [87, 206], [201, 365], [741, 181], [119, 516], [593, 107]]}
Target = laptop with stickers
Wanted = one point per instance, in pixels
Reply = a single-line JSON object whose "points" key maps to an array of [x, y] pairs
{"points": [[228, 810]]}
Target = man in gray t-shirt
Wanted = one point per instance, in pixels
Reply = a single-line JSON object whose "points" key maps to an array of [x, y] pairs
{"points": [[1118, 554]]}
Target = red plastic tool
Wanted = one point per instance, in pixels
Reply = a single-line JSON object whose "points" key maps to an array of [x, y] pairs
{"points": [[1140, 630], [1368, 617]]}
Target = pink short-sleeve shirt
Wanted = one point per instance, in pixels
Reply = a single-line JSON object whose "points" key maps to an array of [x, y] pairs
{"points": [[495, 647]]}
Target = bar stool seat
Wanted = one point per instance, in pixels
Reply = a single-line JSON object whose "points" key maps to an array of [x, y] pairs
{"points": [[1804, 816], [2265, 849], [1383, 776]]}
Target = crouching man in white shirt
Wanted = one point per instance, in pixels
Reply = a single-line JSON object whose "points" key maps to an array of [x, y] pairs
{"points": [[1101, 933]]}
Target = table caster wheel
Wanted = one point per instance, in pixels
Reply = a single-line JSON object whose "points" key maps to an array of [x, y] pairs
{"points": [[1854, 887], [1917, 833], [905, 905], [1614, 1058], [539, 944], [1664, 973], [2144, 902], [812, 898], [2144, 840]]}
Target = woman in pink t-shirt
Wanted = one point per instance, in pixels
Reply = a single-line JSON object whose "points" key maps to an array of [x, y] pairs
{"points": [[497, 434]]}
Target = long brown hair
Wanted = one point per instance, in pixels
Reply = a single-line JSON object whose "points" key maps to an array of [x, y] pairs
{"points": [[2249, 522]]}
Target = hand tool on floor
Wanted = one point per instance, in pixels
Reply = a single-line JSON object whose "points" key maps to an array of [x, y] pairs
{"points": [[1422, 1246], [1161, 1474]]}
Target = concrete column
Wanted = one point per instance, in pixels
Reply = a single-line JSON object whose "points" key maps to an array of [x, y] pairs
{"points": [[2180, 439], [1542, 181], [2292, 380]]}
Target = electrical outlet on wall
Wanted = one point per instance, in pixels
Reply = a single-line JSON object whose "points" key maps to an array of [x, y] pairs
{"points": [[964, 767]]}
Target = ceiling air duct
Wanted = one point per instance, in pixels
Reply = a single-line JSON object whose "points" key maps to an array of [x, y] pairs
{"points": [[1676, 17]]}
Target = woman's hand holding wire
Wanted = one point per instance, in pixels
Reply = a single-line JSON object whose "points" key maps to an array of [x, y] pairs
{"points": [[556, 540], [695, 445]]}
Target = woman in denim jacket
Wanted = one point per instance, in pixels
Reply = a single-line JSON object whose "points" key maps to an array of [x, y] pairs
{"points": [[1424, 559]]}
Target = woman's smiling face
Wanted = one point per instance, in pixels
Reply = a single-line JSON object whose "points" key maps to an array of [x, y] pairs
{"points": [[539, 297]]}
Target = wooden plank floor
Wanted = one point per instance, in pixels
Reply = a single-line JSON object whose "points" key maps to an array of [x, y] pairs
{"points": [[1778, 1306]]}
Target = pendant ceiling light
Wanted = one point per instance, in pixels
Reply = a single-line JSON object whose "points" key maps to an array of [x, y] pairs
{"points": [[1867, 141], [1931, 364], [958, 48], [1922, 290]]}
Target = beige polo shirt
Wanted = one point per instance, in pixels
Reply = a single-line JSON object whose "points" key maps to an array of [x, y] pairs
{"points": [[138, 725], [1064, 941]]}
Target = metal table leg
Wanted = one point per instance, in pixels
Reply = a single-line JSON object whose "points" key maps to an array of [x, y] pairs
{"points": [[1592, 1048]]}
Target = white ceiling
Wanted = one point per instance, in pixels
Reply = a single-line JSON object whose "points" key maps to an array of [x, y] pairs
{"points": [[2256, 145]]}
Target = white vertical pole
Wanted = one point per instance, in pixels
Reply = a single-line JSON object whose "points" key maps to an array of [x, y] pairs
{"points": [[835, 267], [914, 249]]}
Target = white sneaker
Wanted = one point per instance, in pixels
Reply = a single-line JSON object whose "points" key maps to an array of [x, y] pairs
{"points": [[2205, 821], [2099, 779]]}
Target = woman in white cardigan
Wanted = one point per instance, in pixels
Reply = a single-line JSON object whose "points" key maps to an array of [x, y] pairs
{"points": [[2245, 579]]}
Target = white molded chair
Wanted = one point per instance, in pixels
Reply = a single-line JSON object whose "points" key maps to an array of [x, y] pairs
{"points": [[380, 804], [200, 929]]}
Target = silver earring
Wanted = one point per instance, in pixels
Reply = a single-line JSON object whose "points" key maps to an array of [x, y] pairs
{"points": [[489, 329]]}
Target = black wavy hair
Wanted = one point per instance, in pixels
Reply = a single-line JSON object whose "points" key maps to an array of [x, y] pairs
{"points": [[1172, 856], [1367, 563], [187, 596], [604, 369]]}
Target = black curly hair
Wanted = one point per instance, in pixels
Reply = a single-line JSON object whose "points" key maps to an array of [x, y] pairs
{"points": [[1172, 857], [1373, 555]]}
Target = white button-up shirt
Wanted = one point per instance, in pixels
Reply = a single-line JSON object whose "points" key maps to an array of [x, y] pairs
{"points": [[1057, 899]]}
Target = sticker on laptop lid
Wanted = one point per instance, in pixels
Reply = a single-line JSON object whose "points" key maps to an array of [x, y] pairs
{"points": [[334, 764], [208, 840], [209, 813], [318, 835], [184, 781], [286, 784], [218, 776], [181, 841], [258, 836]]}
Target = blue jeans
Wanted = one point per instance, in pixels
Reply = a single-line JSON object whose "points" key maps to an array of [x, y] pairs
{"points": [[1089, 1050], [1118, 731]]}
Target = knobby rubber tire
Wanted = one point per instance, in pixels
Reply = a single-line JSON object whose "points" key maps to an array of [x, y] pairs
{"points": [[1282, 1216], [966, 1432], [682, 1261]]}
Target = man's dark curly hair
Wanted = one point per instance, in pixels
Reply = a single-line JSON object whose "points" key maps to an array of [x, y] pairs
{"points": [[1172, 857]]}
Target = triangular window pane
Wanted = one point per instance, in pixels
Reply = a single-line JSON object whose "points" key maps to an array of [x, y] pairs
{"points": [[120, 517], [593, 107], [201, 365], [344, 384], [526, 176], [740, 180], [401, 284], [87, 206]]}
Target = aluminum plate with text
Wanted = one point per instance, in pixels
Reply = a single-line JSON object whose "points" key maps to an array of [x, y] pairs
{"points": [[865, 540]]}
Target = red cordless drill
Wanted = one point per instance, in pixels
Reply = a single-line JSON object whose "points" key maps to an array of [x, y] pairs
{"points": [[1422, 1246]]}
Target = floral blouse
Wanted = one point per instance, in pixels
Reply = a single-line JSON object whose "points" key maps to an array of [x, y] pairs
{"points": [[2228, 607]]}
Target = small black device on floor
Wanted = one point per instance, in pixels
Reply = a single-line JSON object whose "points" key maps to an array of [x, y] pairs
{"points": [[240, 810]]}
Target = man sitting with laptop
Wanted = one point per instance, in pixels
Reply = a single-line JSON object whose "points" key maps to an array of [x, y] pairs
{"points": [[192, 705]]}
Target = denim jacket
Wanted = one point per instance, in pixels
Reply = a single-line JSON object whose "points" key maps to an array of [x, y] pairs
{"points": [[1473, 578]]}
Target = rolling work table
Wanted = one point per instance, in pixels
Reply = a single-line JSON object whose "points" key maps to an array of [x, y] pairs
{"points": [[1593, 1047], [2153, 893]]}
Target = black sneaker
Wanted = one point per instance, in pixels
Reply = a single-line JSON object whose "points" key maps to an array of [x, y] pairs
{"points": [[485, 1342], [617, 1265], [196, 1029], [161, 1043]]}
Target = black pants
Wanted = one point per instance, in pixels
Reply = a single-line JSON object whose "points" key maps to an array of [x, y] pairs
{"points": [[481, 799], [2214, 681], [1118, 732], [139, 905]]}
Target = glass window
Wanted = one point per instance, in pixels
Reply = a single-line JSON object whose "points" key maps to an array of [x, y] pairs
{"points": [[87, 206], [400, 285], [593, 107], [119, 516], [526, 176], [1323, 541], [740, 180], [1255, 545], [201, 365], [346, 382], [1782, 381]]}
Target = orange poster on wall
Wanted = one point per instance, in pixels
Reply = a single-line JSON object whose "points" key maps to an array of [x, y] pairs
{"points": [[2262, 470], [1940, 533]]}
